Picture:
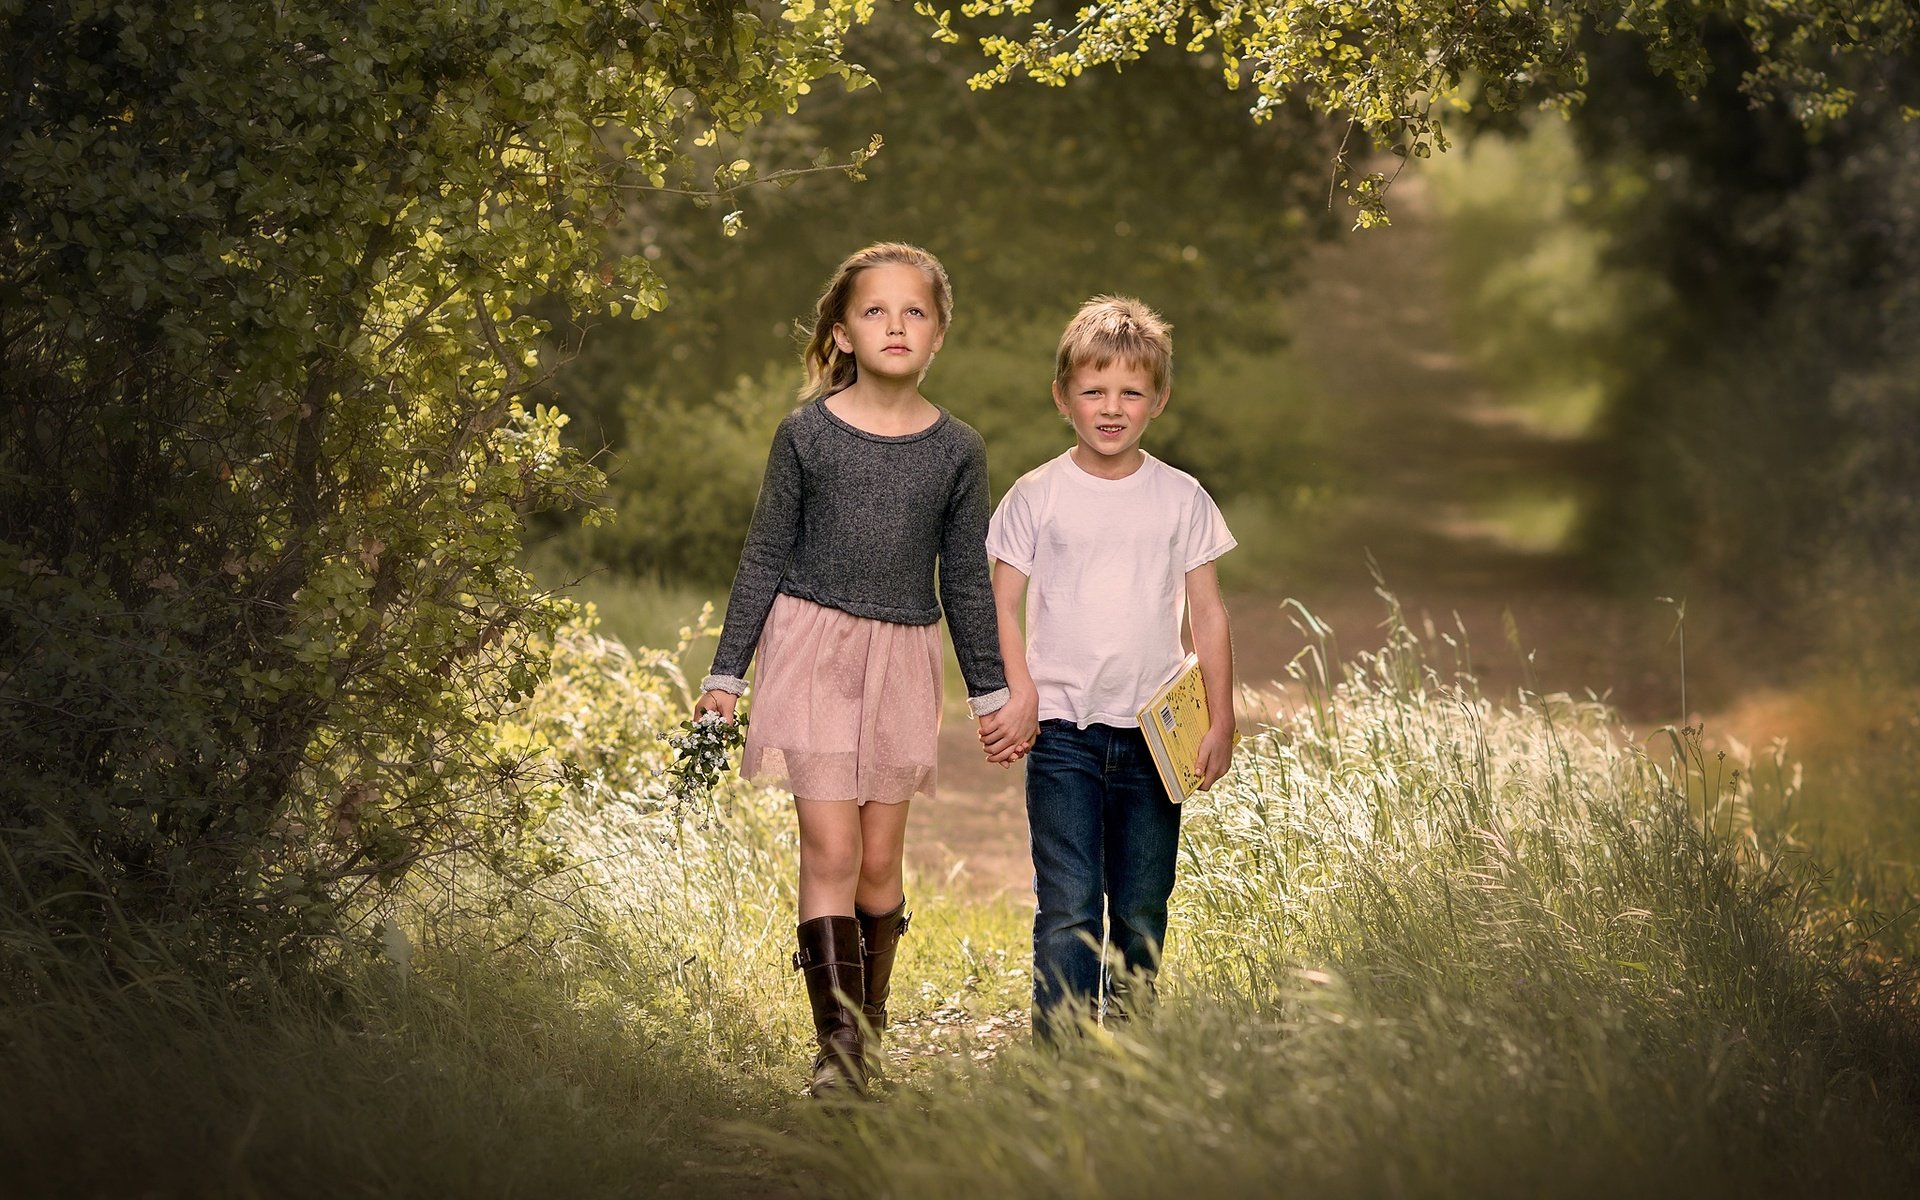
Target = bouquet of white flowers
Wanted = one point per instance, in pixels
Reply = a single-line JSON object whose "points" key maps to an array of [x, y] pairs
{"points": [[702, 749]]}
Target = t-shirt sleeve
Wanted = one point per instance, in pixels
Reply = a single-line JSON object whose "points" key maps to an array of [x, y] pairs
{"points": [[1012, 534], [1207, 534]]}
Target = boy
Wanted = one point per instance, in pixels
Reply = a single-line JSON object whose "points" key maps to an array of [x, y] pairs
{"points": [[1108, 545]]}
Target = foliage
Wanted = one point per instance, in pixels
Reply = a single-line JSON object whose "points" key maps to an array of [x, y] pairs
{"points": [[684, 474], [1150, 181], [1394, 67], [1744, 331], [269, 427], [1035, 199], [1537, 300]]}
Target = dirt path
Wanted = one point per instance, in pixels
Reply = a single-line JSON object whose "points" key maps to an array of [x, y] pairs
{"points": [[1431, 453]]}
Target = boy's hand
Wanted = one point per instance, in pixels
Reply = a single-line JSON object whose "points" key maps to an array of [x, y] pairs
{"points": [[1009, 732], [716, 702], [1216, 755]]}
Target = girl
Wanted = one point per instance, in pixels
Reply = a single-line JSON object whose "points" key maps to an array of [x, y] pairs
{"points": [[867, 485]]}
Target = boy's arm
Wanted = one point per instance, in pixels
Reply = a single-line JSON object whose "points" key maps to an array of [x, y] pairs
{"points": [[1213, 645], [1009, 732]]}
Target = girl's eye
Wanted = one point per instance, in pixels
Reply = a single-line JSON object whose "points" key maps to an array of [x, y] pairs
{"points": [[872, 310], [915, 312]]}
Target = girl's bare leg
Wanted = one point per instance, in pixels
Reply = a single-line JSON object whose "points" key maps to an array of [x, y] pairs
{"points": [[883, 840], [830, 844], [850, 854]]}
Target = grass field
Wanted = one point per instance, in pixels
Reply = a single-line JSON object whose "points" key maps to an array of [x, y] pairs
{"points": [[1424, 944]]}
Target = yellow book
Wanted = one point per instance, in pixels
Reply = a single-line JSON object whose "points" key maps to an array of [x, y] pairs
{"points": [[1174, 721]]}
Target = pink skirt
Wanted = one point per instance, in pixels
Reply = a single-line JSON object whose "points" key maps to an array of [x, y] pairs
{"points": [[844, 707]]}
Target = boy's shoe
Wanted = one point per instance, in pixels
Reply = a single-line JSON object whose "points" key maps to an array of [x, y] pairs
{"points": [[880, 937], [829, 955]]}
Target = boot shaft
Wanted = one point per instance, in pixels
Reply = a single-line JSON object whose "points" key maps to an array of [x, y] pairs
{"points": [[880, 938], [830, 961]]}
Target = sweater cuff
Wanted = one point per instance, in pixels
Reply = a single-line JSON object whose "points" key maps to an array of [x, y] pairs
{"points": [[980, 706], [732, 684]]}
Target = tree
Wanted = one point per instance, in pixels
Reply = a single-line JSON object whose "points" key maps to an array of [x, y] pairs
{"points": [[1394, 68], [266, 441], [1763, 431]]}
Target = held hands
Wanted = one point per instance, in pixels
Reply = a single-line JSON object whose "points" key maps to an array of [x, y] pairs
{"points": [[716, 702], [1007, 733], [1216, 754]]}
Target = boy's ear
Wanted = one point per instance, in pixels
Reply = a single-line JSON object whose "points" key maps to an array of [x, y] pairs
{"points": [[1160, 406], [1059, 398]]}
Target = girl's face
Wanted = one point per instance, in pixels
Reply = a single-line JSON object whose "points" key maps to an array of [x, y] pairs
{"points": [[891, 326]]}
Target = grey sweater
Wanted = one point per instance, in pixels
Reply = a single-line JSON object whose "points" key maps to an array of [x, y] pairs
{"points": [[856, 521]]}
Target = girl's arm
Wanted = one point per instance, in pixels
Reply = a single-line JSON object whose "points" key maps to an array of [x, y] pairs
{"points": [[1213, 645], [965, 590], [771, 538]]}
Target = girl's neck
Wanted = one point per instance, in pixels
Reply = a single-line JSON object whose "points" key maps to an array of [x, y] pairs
{"points": [[883, 407]]}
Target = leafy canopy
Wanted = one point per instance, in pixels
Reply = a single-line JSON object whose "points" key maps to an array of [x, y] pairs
{"points": [[266, 441], [1393, 67]]}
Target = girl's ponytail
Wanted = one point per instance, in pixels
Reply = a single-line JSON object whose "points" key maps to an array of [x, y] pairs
{"points": [[830, 370]]}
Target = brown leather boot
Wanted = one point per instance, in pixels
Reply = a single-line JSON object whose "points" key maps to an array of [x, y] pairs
{"points": [[881, 936], [829, 955]]}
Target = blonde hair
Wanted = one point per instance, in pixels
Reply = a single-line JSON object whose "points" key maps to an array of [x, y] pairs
{"points": [[1109, 328], [830, 369]]}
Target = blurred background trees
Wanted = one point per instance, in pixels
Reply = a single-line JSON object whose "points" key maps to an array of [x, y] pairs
{"points": [[1765, 430], [1153, 182]]}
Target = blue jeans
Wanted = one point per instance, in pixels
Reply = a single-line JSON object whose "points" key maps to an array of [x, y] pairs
{"points": [[1105, 839]]}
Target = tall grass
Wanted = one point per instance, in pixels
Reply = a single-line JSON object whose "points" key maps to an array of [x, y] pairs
{"points": [[1427, 944], [593, 1038], [1424, 943]]}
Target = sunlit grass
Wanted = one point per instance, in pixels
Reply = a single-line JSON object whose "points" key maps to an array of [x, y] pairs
{"points": [[1536, 303], [1425, 942], [1527, 521], [1429, 944], [636, 610], [1559, 408]]}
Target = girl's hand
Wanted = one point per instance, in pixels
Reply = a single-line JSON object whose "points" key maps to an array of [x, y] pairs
{"points": [[1007, 735], [716, 702]]}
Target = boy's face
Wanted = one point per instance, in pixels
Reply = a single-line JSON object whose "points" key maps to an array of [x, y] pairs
{"points": [[1109, 407]]}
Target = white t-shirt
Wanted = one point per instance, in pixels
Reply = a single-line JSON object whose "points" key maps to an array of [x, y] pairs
{"points": [[1106, 562]]}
